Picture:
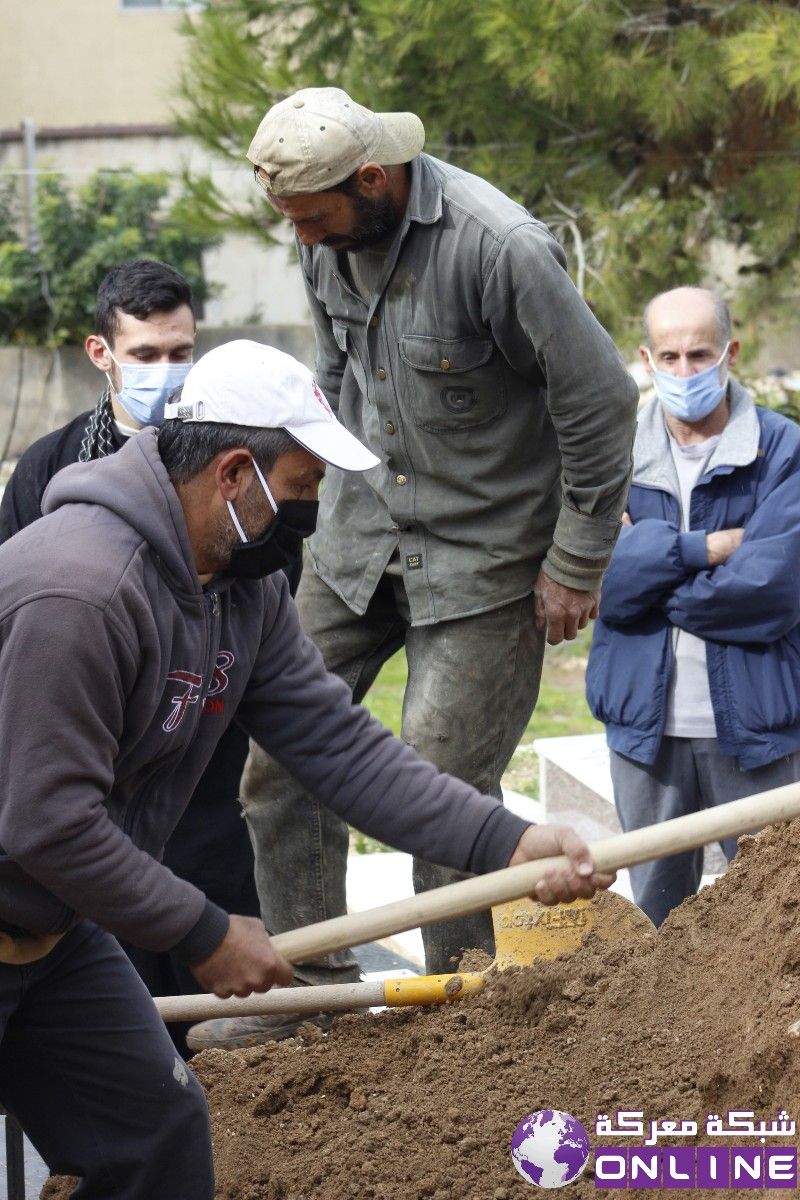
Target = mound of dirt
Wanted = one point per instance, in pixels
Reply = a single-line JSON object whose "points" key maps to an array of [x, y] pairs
{"points": [[422, 1103]]}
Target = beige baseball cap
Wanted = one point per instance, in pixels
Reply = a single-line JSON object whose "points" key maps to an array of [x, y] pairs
{"points": [[247, 383], [316, 138]]}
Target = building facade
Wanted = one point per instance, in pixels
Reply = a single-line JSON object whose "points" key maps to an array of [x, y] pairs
{"points": [[96, 80]]}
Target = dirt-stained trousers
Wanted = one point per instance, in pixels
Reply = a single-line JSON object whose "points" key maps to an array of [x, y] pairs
{"points": [[472, 685]]}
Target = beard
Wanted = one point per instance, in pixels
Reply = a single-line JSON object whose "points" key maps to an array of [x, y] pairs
{"points": [[254, 521], [375, 220]]}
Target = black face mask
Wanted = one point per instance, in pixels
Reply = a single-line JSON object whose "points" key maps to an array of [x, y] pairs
{"points": [[280, 544]]}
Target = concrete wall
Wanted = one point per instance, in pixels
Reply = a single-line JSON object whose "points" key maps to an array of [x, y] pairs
{"points": [[40, 390], [96, 77], [87, 62]]}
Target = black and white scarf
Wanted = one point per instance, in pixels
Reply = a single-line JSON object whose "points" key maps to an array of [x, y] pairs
{"points": [[98, 439]]}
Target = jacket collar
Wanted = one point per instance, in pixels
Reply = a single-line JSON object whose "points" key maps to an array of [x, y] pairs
{"points": [[737, 446]]}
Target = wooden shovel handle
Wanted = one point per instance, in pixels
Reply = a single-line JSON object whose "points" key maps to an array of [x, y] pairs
{"points": [[333, 997], [483, 891]]}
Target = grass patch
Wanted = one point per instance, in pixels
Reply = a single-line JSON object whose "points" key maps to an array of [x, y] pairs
{"points": [[561, 711]]}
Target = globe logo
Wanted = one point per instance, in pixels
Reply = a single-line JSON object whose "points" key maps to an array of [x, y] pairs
{"points": [[550, 1148]]}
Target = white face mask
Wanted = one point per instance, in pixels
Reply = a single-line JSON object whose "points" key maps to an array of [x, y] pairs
{"points": [[146, 387]]}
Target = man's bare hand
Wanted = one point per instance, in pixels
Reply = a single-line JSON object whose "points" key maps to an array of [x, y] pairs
{"points": [[721, 545], [243, 962], [562, 611], [578, 881], [626, 520]]}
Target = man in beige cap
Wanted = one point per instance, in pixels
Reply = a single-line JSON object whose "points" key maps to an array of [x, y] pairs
{"points": [[451, 341]]}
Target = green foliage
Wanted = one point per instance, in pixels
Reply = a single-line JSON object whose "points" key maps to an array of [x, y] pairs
{"points": [[641, 131], [48, 298]]}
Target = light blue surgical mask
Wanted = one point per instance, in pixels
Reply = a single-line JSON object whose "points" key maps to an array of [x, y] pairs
{"points": [[690, 397], [146, 387]]}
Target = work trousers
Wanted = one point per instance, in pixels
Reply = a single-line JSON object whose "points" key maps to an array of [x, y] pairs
{"points": [[472, 685], [89, 1071], [689, 774]]}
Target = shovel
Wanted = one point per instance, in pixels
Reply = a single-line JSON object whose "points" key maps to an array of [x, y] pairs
{"points": [[469, 896], [524, 931]]}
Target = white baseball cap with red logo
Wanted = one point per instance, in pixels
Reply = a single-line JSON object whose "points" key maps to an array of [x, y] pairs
{"points": [[248, 383]]}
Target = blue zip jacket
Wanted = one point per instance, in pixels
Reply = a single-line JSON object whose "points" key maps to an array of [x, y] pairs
{"points": [[747, 609]]}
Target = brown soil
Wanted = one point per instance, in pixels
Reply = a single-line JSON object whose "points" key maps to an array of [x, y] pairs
{"points": [[422, 1103]]}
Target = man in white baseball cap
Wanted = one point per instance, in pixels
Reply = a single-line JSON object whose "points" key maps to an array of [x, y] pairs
{"points": [[147, 598], [246, 385]]}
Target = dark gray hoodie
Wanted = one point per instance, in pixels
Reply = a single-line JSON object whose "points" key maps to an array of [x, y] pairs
{"points": [[120, 672]]}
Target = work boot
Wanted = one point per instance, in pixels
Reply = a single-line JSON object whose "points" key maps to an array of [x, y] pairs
{"points": [[237, 1033]]}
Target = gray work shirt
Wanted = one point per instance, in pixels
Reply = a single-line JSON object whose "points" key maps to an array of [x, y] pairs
{"points": [[501, 410]]}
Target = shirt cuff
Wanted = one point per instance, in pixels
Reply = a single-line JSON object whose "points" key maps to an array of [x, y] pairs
{"points": [[581, 549], [496, 841], [204, 937], [694, 550]]}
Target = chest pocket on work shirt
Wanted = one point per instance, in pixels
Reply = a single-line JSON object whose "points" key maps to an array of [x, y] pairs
{"points": [[452, 382]]}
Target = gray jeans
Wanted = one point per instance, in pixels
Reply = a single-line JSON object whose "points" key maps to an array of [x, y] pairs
{"points": [[689, 774], [472, 686]]}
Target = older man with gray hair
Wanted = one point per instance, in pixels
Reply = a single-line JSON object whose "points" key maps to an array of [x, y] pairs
{"points": [[695, 661]]}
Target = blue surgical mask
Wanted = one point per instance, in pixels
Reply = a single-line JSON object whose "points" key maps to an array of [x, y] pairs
{"points": [[146, 387], [690, 397]]}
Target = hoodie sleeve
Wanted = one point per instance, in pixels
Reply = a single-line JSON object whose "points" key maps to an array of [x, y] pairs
{"points": [[67, 669], [306, 719]]}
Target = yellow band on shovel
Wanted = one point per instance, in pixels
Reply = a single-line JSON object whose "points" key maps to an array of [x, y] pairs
{"points": [[431, 989]]}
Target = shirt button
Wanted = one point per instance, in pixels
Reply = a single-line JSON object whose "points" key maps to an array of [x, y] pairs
{"points": [[401, 480], [373, 322], [381, 373], [389, 427], [445, 364]]}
